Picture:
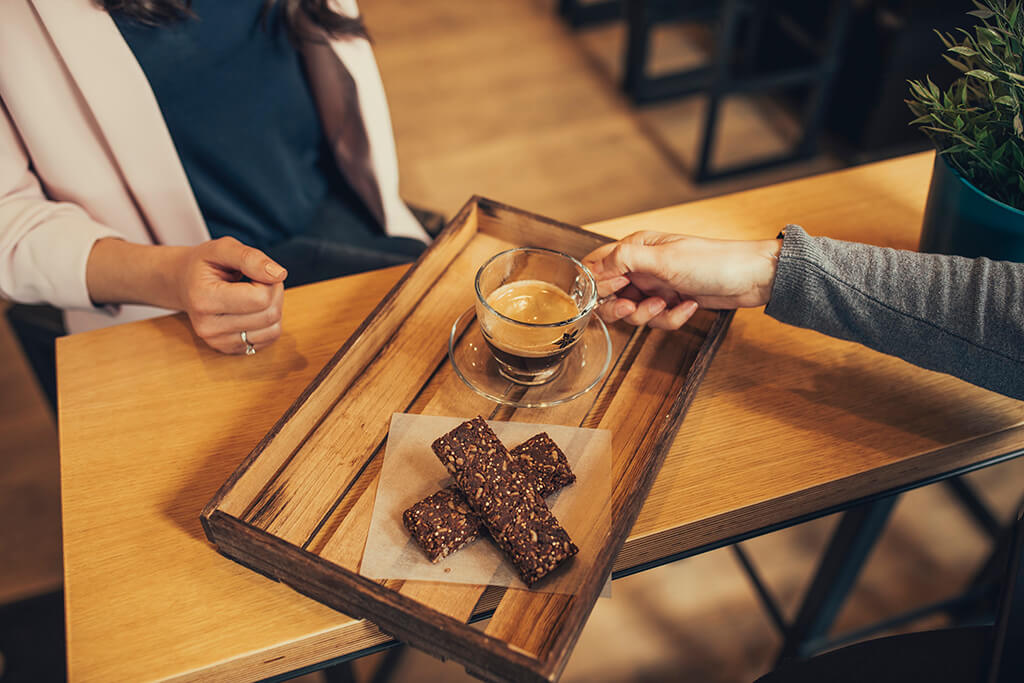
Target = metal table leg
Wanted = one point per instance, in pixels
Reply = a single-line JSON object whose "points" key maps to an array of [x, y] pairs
{"points": [[852, 542]]}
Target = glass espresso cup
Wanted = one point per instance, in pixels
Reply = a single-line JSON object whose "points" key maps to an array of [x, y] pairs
{"points": [[533, 305]]}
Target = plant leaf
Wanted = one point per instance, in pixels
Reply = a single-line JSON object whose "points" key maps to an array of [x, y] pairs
{"points": [[921, 92], [977, 121], [957, 64], [963, 50], [983, 75], [956, 149], [992, 35]]}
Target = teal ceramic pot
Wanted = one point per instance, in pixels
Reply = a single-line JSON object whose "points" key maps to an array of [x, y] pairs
{"points": [[961, 219]]}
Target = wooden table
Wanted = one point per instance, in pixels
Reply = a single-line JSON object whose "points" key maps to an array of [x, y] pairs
{"points": [[787, 424]]}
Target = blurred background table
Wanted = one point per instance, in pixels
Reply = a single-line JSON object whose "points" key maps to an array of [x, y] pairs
{"points": [[788, 424]]}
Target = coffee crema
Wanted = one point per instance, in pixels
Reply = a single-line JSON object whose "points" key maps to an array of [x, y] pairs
{"points": [[533, 302]]}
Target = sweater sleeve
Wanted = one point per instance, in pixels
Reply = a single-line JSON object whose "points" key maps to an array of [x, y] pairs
{"points": [[961, 316]]}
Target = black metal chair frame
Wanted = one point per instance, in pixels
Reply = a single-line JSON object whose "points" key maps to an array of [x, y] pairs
{"points": [[988, 649], [720, 78], [578, 13], [848, 549]]}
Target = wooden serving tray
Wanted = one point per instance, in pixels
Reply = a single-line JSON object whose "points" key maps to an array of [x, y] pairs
{"points": [[298, 508]]}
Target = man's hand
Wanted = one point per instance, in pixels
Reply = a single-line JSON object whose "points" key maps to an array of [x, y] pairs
{"points": [[661, 280], [224, 286]]}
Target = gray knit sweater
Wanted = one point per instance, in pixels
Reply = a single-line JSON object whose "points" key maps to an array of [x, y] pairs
{"points": [[956, 315]]}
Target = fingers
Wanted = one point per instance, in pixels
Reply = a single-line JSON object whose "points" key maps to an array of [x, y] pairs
{"points": [[594, 259], [616, 309], [223, 332], [645, 311], [215, 325], [634, 313], [675, 317], [251, 262], [624, 304], [220, 305], [232, 343], [611, 285], [213, 283], [217, 297], [652, 312], [630, 255]]}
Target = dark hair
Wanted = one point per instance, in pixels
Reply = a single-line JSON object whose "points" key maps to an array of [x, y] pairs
{"points": [[297, 13]]}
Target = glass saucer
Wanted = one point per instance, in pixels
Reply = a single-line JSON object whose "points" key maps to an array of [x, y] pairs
{"points": [[582, 369]]}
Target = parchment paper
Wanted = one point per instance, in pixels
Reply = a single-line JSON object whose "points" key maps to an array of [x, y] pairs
{"points": [[411, 471]]}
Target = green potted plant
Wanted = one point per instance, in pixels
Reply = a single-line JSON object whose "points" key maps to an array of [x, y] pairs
{"points": [[976, 199]]}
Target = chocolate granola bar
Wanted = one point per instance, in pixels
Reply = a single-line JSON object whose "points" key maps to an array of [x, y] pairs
{"points": [[544, 462], [443, 522], [505, 498]]}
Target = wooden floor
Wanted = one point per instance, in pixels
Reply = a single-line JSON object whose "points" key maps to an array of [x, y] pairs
{"points": [[501, 99]]}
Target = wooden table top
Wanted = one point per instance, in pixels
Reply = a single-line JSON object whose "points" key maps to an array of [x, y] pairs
{"points": [[787, 422]]}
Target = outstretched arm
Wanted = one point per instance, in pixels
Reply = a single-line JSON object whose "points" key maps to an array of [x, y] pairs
{"points": [[960, 316]]}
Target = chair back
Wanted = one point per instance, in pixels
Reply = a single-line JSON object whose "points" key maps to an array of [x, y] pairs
{"points": [[36, 328]]}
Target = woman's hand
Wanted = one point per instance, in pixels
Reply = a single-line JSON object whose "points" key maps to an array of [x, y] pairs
{"points": [[661, 280], [207, 281], [220, 305]]}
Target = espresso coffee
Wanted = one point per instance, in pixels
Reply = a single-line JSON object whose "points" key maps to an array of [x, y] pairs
{"points": [[534, 302]]}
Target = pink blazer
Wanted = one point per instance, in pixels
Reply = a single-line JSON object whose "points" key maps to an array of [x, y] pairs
{"points": [[85, 153]]}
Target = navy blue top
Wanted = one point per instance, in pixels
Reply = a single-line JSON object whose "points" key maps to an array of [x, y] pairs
{"points": [[238, 105]]}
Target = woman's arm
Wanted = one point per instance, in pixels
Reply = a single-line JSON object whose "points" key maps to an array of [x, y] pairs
{"points": [[53, 252], [224, 286], [44, 245], [960, 316]]}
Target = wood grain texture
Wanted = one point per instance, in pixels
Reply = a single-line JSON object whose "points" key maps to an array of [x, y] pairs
{"points": [[787, 419], [123, 447], [246, 484], [329, 480], [786, 422], [644, 417], [341, 538]]}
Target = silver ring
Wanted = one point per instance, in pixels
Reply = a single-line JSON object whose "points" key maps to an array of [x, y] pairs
{"points": [[250, 350]]}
